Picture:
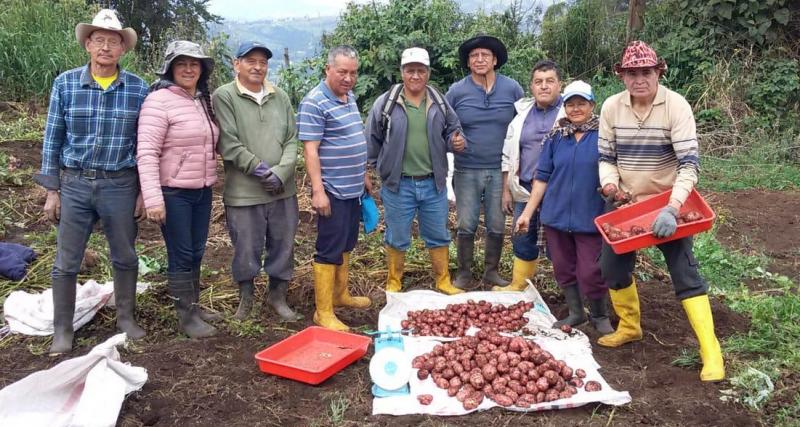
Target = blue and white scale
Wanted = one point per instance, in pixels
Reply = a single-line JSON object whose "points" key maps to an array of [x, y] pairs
{"points": [[390, 366]]}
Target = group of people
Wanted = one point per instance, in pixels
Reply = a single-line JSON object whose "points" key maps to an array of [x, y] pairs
{"points": [[119, 150]]}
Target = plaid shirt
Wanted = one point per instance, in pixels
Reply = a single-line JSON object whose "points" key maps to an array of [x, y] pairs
{"points": [[88, 127]]}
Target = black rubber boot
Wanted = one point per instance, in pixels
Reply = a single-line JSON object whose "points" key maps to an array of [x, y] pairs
{"points": [[125, 301], [246, 290], [465, 246], [64, 289], [277, 300], [205, 314], [181, 289], [575, 305], [598, 315], [491, 257]]}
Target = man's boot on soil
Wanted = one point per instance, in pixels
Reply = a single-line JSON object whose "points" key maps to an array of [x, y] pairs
{"points": [[277, 300], [341, 294], [324, 278], [181, 290], [465, 248], [440, 260], [522, 271], [246, 291], [64, 289], [698, 310], [598, 315], [205, 314], [491, 256], [626, 305], [395, 260], [125, 301], [572, 296]]}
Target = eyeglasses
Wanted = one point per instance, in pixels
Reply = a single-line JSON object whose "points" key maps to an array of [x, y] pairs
{"points": [[100, 41]]}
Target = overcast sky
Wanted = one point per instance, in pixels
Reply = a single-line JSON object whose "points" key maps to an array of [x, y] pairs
{"points": [[249, 10]]}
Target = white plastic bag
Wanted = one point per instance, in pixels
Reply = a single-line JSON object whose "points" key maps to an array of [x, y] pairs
{"points": [[83, 391]]}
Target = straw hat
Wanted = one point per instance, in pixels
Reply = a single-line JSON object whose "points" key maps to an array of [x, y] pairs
{"points": [[107, 20]]}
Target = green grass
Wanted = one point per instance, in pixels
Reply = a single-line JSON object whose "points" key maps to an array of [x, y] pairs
{"points": [[742, 172]]}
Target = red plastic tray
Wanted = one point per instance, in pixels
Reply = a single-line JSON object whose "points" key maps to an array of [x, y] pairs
{"points": [[313, 354], [644, 214]]}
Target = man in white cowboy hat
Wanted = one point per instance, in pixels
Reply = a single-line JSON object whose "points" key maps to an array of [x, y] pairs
{"points": [[409, 147], [484, 101], [89, 170]]}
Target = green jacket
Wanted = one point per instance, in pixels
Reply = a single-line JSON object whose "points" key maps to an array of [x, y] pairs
{"points": [[250, 133]]}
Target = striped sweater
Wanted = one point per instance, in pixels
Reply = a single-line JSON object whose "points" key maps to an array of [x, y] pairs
{"points": [[649, 155]]}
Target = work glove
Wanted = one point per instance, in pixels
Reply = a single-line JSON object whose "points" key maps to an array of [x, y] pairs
{"points": [[666, 222], [272, 184]]}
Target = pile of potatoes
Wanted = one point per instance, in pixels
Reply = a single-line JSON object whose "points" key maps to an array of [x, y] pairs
{"points": [[454, 320]]}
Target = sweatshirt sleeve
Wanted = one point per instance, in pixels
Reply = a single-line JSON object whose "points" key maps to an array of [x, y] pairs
{"points": [[684, 142], [229, 146], [285, 169], [607, 146]]}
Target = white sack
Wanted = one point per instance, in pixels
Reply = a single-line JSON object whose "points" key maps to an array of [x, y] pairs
{"points": [[82, 391]]}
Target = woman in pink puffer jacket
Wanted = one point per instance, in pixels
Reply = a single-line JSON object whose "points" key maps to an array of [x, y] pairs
{"points": [[177, 167]]}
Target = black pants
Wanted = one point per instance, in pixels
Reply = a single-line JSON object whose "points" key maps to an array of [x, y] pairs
{"points": [[337, 233], [617, 270]]}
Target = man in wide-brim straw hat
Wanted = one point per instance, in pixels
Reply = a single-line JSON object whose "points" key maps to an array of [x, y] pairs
{"points": [[89, 170], [484, 102], [648, 145]]}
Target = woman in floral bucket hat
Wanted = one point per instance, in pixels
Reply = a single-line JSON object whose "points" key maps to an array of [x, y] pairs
{"points": [[177, 166], [648, 145]]}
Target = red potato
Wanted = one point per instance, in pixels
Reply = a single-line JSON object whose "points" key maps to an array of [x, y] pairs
{"points": [[452, 391], [576, 382], [566, 328], [593, 386], [580, 373], [542, 384], [442, 383], [552, 377], [503, 400], [425, 399], [477, 380], [422, 374]]}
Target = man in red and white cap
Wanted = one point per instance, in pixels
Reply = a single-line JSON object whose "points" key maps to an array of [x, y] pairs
{"points": [[648, 145]]}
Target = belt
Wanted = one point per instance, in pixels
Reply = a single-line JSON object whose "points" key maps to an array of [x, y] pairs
{"points": [[418, 177], [97, 173]]}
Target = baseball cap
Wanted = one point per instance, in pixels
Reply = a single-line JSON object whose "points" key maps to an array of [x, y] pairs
{"points": [[246, 47], [415, 54], [578, 88]]}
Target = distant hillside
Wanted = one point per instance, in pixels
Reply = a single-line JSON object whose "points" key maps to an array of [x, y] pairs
{"points": [[300, 35]]}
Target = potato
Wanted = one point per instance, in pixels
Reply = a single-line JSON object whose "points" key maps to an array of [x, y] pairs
{"points": [[503, 400], [566, 372], [477, 380], [442, 383], [593, 386], [551, 395], [425, 399], [489, 372], [580, 373], [542, 384], [576, 382], [452, 391], [422, 374], [564, 395], [540, 397]]}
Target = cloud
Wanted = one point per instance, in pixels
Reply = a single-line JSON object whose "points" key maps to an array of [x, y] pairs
{"points": [[248, 10]]}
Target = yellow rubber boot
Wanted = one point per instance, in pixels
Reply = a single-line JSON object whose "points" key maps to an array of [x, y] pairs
{"points": [[323, 298], [396, 260], [698, 310], [341, 295], [626, 305], [440, 259], [522, 271]]}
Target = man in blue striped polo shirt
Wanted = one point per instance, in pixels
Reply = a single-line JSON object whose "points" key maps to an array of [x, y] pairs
{"points": [[330, 126]]}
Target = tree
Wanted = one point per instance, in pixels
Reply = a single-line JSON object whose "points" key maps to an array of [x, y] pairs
{"points": [[635, 18], [159, 21]]}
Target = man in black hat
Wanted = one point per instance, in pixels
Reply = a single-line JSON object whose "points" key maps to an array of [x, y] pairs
{"points": [[484, 101]]}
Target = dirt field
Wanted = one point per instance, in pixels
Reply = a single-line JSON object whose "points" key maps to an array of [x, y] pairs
{"points": [[216, 381]]}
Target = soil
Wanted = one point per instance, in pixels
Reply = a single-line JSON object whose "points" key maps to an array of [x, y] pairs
{"points": [[217, 382]]}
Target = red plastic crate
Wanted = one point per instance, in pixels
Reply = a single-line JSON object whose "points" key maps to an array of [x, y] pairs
{"points": [[644, 214], [313, 354]]}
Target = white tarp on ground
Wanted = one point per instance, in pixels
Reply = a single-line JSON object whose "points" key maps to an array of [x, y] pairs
{"points": [[32, 314], [82, 391], [575, 350]]}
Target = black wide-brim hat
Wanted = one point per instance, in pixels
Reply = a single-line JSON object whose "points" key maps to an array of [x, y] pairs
{"points": [[486, 42]]}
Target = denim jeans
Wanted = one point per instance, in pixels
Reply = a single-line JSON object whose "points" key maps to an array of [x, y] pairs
{"points": [[186, 228], [420, 198], [83, 202], [476, 186], [269, 227], [525, 247]]}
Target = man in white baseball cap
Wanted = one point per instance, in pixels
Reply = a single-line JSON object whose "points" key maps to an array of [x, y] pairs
{"points": [[89, 170], [410, 129]]}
